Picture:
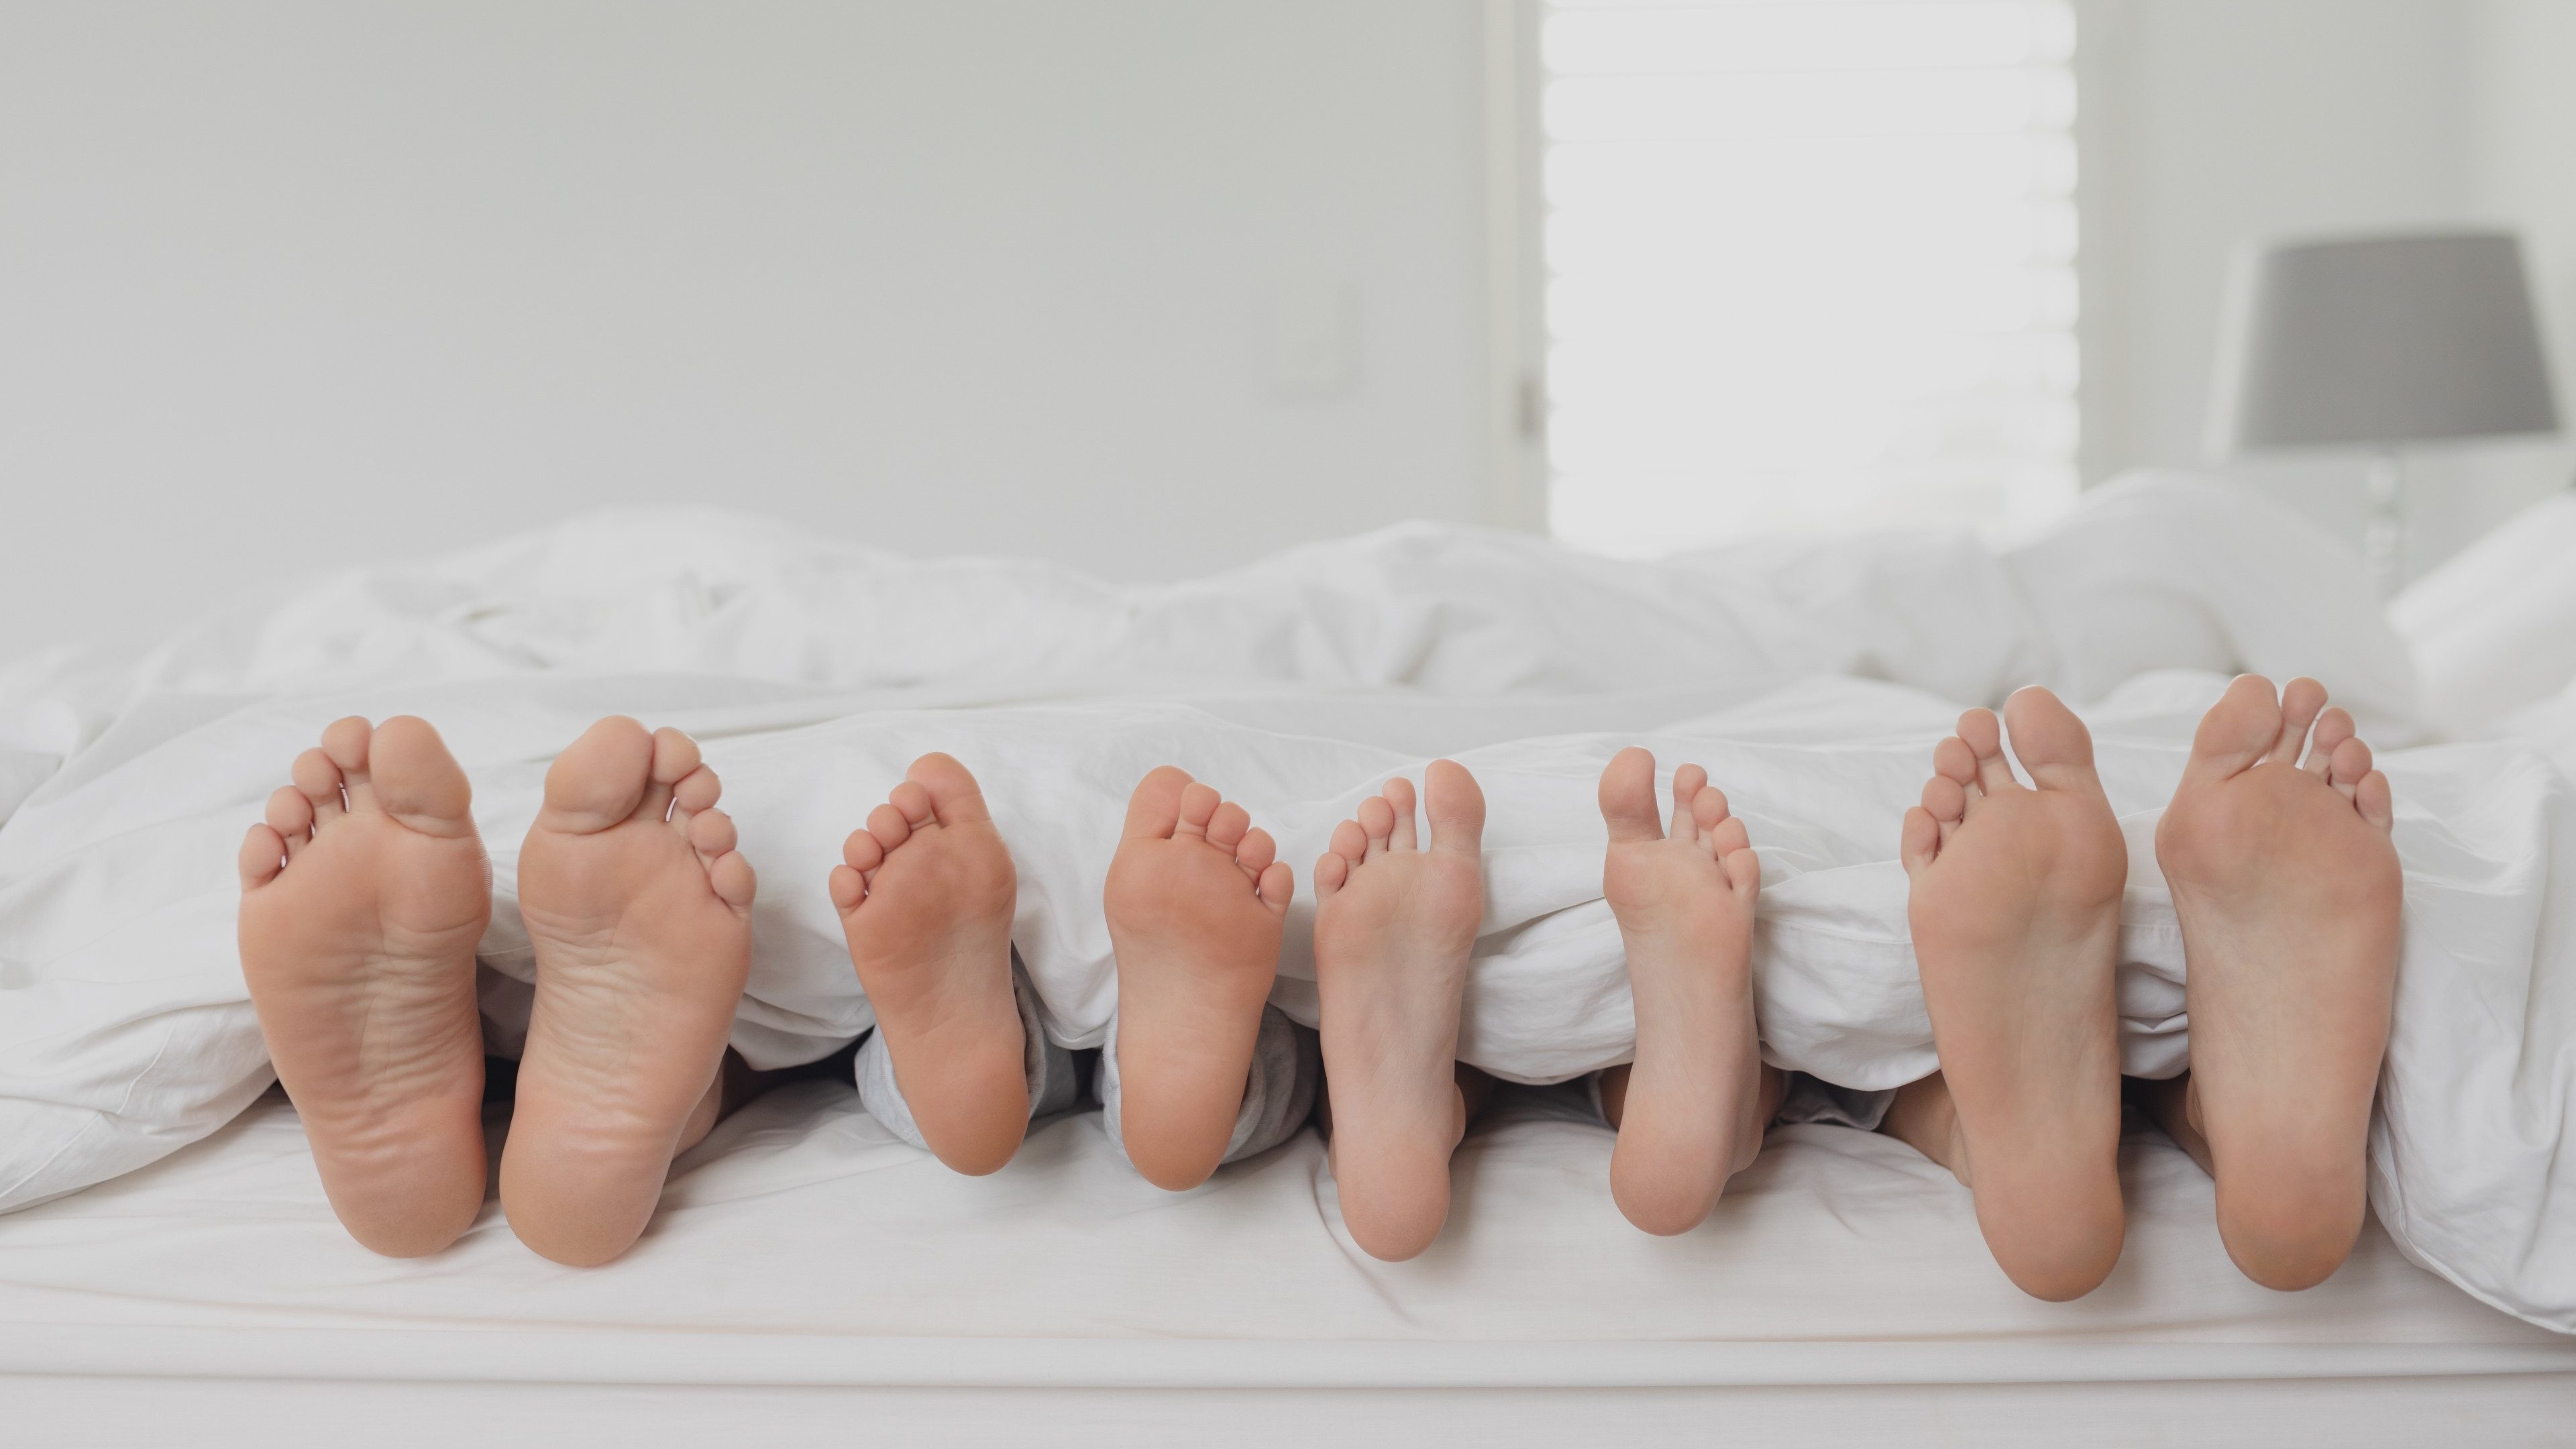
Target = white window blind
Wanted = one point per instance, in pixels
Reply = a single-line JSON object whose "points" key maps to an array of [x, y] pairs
{"points": [[1809, 264]]}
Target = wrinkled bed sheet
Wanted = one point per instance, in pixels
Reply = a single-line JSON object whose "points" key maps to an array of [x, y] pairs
{"points": [[1810, 678]]}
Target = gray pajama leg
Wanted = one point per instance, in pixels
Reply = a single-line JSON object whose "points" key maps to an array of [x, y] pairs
{"points": [[1278, 1096], [1052, 1087]]}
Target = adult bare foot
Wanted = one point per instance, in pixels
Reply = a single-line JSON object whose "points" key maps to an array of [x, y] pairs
{"points": [[2015, 909], [926, 899], [640, 911], [1689, 1111], [362, 899], [2289, 893], [1197, 901], [1394, 927]]}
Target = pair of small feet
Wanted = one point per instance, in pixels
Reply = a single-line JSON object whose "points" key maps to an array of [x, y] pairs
{"points": [[2276, 850], [364, 894]]}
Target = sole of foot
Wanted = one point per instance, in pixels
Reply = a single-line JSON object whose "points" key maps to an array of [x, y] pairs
{"points": [[2289, 893], [2015, 909], [1395, 925], [1684, 898], [363, 895], [926, 894], [640, 911], [1197, 901]]}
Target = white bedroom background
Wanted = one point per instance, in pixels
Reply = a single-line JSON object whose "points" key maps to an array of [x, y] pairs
{"points": [[1806, 266]]}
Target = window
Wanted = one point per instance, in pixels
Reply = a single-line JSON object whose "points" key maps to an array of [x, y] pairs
{"points": [[1809, 265]]}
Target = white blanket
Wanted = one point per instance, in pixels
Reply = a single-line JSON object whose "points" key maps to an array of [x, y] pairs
{"points": [[1811, 680]]}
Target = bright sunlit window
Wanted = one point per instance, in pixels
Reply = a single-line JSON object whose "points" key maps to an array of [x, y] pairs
{"points": [[1809, 265]]}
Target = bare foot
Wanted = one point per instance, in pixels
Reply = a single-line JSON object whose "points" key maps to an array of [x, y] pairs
{"points": [[1394, 926], [362, 899], [2289, 893], [1689, 1112], [1197, 901], [2015, 909], [640, 911], [926, 900]]}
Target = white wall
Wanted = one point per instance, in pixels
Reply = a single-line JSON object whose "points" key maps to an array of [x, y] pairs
{"points": [[2208, 122], [285, 282]]}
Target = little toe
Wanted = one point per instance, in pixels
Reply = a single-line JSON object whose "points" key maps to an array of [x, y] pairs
{"points": [[1154, 811], [2301, 698], [1198, 806], [319, 780], [1688, 782], [1920, 843], [1225, 829], [1377, 822], [1399, 798], [263, 855], [2377, 803], [1455, 804], [601, 779], [1627, 797]]}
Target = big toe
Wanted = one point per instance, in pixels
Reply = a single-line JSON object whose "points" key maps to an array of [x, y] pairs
{"points": [[2051, 742], [601, 779], [955, 798], [417, 781], [1628, 796], [2238, 729], [1455, 804]]}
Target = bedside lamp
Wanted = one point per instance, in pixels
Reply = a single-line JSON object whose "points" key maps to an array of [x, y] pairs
{"points": [[2378, 344]]}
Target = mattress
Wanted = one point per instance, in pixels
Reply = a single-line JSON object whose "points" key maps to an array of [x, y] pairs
{"points": [[809, 1278]]}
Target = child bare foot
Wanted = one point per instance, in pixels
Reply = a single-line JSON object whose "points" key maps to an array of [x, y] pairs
{"points": [[1197, 901], [640, 911], [1394, 927], [2289, 893], [926, 899], [2015, 909], [362, 899], [1689, 1112]]}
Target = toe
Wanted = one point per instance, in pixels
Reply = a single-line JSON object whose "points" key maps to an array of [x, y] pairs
{"points": [[601, 779], [913, 803], [1456, 805], [417, 781], [1983, 734], [1399, 799], [2050, 741], [2333, 728], [1921, 842], [1953, 761], [1198, 807], [1728, 837], [1628, 796], [1744, 872], [2301, 698], [1225, 829], [290, 814], [2346, 767], [711, 834], [319, 780], [2238, 729], [346, 743], [954, 795], [675, 758], [698, 790], [1350, 842], [1688, 781], [889, 827], [263, 855], [1946, 799], [861, 852], [1154, 811], [1330, 871], [2375, 801], [1377, 822], [733, 881], [848, 887], [1277, 886], [1256, 852]]}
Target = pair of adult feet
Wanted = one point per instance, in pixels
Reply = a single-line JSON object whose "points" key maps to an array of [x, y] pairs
{"points": [[1196, 903], [2276, 850]]}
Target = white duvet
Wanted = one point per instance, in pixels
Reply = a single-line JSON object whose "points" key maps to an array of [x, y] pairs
{"points": [[1811, 679]]}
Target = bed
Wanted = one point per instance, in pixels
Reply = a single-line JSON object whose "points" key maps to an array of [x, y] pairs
{"points": [[170, 1269]]}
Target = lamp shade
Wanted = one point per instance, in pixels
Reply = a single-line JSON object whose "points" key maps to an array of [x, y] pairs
{"points": [[2378, 342]]}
